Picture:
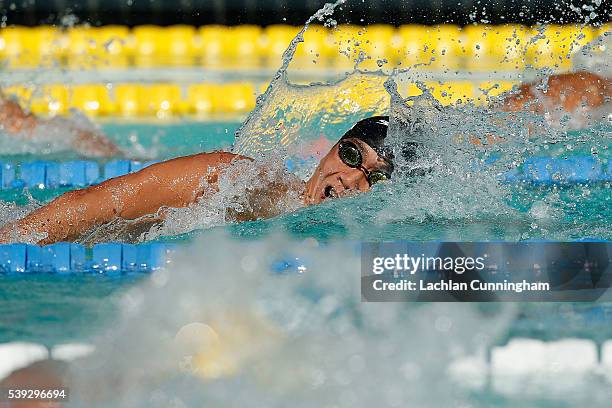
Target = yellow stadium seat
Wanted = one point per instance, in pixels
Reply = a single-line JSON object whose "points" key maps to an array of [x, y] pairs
{"points": [[236, 97], [146, 43], [212, 38], [452, 92], [129, 99], [241, 46], [479, 47], [276, 41], [179, 45], [513, 38], [316, 50], [488, 90], [91, 99], [414, 49], [101, 47], [163, 100], [201, 98], [554, 45], [447, 47], [495, 48], [164, 46], [118, 45], [356, 93], [51, 100], [81, 46], [22, 47], [439, 48]]}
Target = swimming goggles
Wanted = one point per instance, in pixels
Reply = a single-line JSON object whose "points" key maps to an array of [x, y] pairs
{"points": [[351, 156]]}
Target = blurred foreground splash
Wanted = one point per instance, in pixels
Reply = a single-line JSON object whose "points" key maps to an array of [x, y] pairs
{"points": [[231, 333], [218, 328]]}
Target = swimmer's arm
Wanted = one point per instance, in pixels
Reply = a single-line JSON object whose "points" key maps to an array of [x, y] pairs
{"points": [[18, 123], [13, 119], [174, 183]]}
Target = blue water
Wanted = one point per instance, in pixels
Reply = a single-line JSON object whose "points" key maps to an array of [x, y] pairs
{"points": [[51, 309]]}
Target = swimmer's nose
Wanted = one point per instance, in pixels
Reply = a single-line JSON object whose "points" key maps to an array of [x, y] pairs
{"points": [[353, 180]]}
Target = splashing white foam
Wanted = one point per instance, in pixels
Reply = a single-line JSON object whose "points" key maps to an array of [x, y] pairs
{"points": [[229, 333]]}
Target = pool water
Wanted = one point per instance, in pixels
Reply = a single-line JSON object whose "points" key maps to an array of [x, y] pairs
{"points": [[318, 312], [52, 309], [152, 140], [307, 336]]}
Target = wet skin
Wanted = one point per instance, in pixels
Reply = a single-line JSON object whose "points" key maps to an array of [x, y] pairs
{"points": [[569, 92]]}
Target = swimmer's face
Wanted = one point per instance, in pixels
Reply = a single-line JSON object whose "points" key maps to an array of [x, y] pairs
{"points": [[333, 178]]}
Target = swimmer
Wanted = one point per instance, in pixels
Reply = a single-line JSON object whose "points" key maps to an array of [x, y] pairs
{"points": [[355, 163], [577, 94], [582, 97], [23, 125]]}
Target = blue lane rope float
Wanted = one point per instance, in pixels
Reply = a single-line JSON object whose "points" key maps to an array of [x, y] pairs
{"points": [[549, 171], [77, 173], [117, 259], [581, 169], [82, 173], [111, 259], [64, 257]]}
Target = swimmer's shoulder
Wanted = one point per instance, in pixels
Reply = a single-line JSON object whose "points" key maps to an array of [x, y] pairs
{"points": [[187, 167], [204, 159], [220, 156]]}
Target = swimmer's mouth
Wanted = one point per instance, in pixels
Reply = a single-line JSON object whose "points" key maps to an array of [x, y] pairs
{"points": [[329, 192]]}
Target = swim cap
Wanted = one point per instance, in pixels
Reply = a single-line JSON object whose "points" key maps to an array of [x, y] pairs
{"points": [[373, 131]]}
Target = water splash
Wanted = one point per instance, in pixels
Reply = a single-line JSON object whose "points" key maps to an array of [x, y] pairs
{"points": [[239, 196], [74, 132], [237, 336], [464, 152], [11, 211], [596, 56]]}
